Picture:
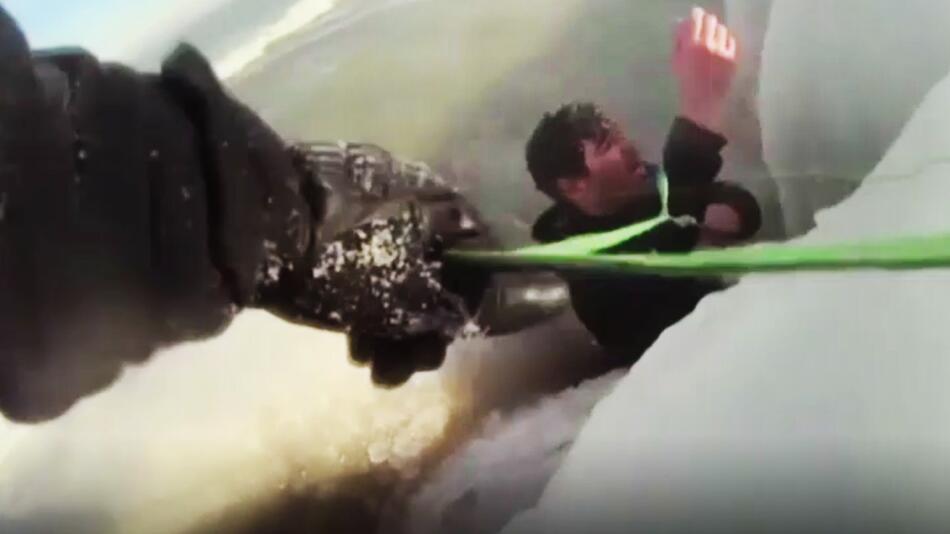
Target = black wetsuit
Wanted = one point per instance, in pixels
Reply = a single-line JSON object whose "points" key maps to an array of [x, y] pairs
{"points": [[627, 313], [139, 210]]}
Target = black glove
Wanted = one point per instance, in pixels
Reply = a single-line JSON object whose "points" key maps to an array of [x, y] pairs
{"points": [[395, 360], [383, 278], [384, 283]]}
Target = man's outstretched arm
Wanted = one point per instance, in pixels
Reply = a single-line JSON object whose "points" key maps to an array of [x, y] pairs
{"points": [[704, 66], [704, 63]]}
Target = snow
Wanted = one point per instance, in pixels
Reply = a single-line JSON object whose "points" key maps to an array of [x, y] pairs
{"points": [[264, 409], [504, 468], [809, 402]]}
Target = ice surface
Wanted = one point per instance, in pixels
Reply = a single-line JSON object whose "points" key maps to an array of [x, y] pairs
{"points": [[504, 468], [267, 409], [271, 412], [811, 402], [838, 82]]}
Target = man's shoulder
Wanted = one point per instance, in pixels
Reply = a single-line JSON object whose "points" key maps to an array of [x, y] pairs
{"points": [[551, 225]]}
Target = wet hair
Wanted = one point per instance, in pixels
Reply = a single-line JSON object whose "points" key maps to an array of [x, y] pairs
{"points": [[555, 151]]}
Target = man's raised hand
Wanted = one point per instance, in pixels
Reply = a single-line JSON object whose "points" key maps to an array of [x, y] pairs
{"points": [[704, 62]]}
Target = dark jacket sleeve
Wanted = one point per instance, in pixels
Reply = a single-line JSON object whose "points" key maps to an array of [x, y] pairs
{"points": [[136, 211], [692, 162], [256, 207], [69, 315], [691, 154]]}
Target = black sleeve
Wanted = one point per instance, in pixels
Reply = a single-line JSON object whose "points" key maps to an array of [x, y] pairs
{"points": [[136, 211], [691, 155], [256, 207], [70, 314], [692, 161]]}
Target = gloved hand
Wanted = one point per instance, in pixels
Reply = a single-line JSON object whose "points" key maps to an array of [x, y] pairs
{"points": [[384, 283], [383, 278]]}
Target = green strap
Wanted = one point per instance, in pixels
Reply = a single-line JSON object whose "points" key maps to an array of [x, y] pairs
{"points": [[593, 243], [581, 253], [909, 253]]}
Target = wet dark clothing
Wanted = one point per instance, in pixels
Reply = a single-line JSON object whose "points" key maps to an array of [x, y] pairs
{"points": [[625, 313], [139, 210]]}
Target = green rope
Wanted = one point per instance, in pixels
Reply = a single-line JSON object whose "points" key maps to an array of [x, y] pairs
{"points": [[593, 243], [581, 253], [903, 254]]}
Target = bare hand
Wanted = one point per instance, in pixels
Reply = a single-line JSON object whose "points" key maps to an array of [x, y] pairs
{"points": [[722, 220], [704, 62]]}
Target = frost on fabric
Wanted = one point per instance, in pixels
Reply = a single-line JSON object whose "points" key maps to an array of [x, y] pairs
{"points": [[379, 278]]}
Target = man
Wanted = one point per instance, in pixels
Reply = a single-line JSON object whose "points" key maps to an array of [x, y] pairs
{"points": [[139, 210], [595, 175]]}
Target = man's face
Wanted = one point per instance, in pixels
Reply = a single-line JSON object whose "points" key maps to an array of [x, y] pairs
{"points": [[617, 174]]}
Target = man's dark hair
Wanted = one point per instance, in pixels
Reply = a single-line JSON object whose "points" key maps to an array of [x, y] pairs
{"points": [[555, 150]]}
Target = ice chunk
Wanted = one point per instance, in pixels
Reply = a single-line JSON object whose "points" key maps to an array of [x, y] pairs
{"points": [[836, 87], [504, 468]]}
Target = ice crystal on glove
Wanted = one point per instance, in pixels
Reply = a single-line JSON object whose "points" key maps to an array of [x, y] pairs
{"points": [[383, 278]]}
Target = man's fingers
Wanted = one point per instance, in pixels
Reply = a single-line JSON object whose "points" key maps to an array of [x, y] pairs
{"points": [[725, 43], [722, 40], [710, 32], [699, 15], [731, 48], [682, 34]]}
